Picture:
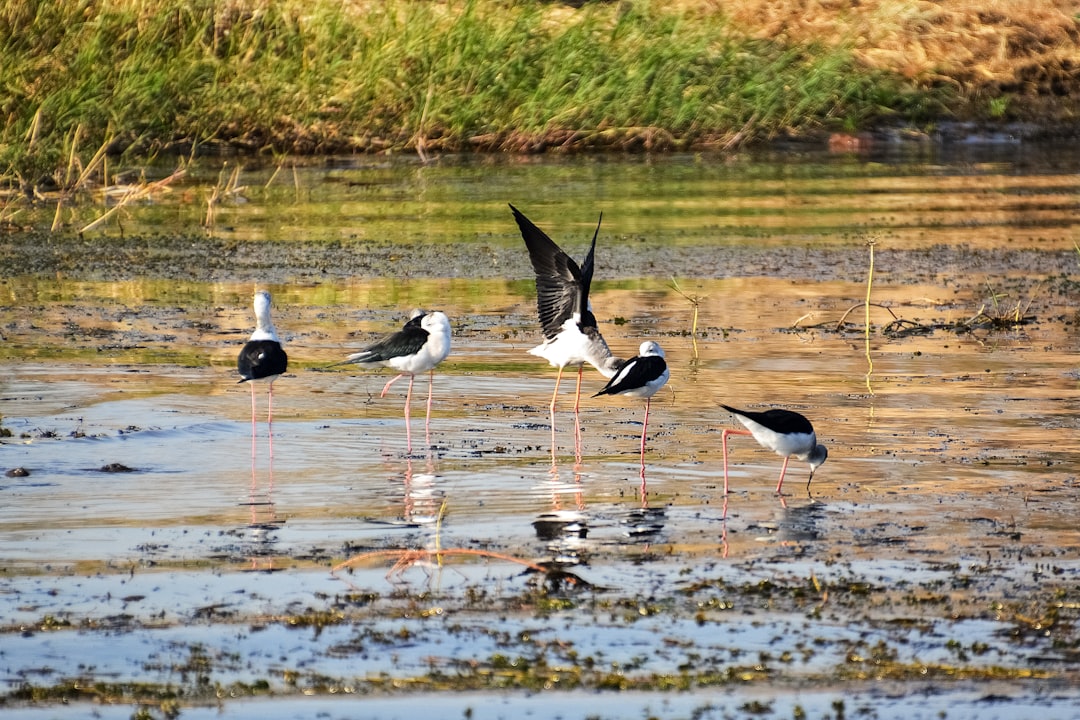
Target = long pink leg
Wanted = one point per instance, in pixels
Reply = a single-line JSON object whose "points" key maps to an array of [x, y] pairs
{"points": [[253, 426], [270, 430], [644, 429], [577, 416], [554, 395], [782, 471], [408, 401], [270, 417], [392, 381], [254, 477], [427, 420]]}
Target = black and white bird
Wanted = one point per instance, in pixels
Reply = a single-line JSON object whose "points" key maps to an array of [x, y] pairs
{"points": [[640, 377], [571, 335], [262, 358], [418, 347], [785, 432]]}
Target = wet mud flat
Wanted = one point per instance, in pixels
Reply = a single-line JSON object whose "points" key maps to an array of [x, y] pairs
{"points": [[151, 569], [929, 570], [213, 259]]}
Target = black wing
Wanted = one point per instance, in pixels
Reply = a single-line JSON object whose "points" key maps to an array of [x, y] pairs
{"points": [[562, 288], [637, 372], [261, 358], [406, 341], [777, 420]]}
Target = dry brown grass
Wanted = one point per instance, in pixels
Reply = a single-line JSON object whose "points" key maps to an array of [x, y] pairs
{"points": [[986, 48], [983, 47]]}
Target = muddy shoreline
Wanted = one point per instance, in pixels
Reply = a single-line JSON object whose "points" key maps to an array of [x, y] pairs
{"points": [[203, 259]]}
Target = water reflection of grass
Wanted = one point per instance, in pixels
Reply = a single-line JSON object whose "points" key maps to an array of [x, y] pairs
{"points": [[134, 356]]}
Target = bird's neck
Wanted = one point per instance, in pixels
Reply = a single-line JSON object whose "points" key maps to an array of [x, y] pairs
{"points": [[599, 354], [264, 330], [608, 365]]}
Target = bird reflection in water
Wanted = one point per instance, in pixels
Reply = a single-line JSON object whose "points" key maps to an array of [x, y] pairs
{"points": [[416, 502], [262, 522], [416, 494], [262, 359], [263, 519], [421, 499], [564, 529], [643, 524], [792, 527], [801, 524]]}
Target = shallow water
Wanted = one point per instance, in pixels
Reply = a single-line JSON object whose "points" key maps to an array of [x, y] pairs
{"points": [[939, 535]]}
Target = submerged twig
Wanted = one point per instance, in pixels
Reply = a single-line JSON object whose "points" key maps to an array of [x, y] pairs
{"points": [[864, 304], [902, 327], [695, 303], [133, 194], [409, 557], [230, 187]]}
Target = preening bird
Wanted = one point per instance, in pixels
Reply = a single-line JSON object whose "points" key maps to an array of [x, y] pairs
{"points": [[262, 358], [571, 335], [785, 432], [418, 347], [641, 377]]}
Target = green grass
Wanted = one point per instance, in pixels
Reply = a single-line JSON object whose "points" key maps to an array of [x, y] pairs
{"points": [[324, 75]]}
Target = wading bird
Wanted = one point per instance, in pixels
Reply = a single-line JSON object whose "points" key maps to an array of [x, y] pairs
{"points": [[640, 376], [418, 347], [785, 432], [262, 358], [571, 336]]}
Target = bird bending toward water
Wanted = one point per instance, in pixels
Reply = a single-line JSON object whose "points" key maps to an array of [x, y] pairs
{"points": [[262, 358], [640, 376], [571, 336], [418, 347], [785, 432]]}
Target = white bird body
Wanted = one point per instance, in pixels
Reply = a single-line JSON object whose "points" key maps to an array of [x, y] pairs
{"points": [[418, 347], [640, 377], [262, 358], [575, 345], [796, 445], [571, 336], [787, 433]]}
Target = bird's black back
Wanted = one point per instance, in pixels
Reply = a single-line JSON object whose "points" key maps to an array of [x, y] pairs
{"points": [[635, 373], [562, 288], [777, 420], [260, 359], [406, 341]]}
